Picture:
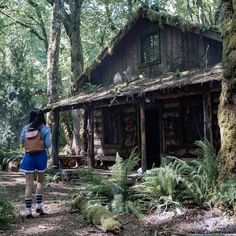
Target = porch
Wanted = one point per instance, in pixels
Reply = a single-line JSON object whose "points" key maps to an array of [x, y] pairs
{"points": [[153, 114]]}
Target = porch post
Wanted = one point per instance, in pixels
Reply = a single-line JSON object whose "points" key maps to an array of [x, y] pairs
{"points": [[207, 113], [55, 137], [90, 137], [143, 138]]}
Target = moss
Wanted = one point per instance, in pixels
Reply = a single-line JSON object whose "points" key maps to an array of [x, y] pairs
{"points": [[78, 201], [232, 42], [91, 211], [154, 16], [227, 122], [110, 224], [101, 213], [96, 214]]}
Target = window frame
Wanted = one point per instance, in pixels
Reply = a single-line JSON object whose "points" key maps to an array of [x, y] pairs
{"points": [[115, 112], [142, 38], [190, 103]]}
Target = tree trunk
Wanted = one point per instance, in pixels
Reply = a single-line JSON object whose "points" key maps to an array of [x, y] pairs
{"points": [[53, 67], [72, 25], [67, 128], [227, 107]]}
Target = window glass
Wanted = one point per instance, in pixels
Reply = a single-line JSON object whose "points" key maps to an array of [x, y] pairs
{"points": [[150, 48], [112, 123]]}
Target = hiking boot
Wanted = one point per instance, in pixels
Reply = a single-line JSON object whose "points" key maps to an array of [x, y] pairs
{"points": [[40, 212], [30, 216]]}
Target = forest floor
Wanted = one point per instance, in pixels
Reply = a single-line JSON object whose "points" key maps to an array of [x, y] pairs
{"points": [[62, 220]]}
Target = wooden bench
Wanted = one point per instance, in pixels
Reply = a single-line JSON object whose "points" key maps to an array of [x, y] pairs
{"points": [[77, 159], [101, 159]]}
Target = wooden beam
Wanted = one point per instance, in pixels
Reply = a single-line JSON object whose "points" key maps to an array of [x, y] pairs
{"points": [[143, 138], [138, 125], [55, 138], [212, 35], [90, 135], [207, 114]]}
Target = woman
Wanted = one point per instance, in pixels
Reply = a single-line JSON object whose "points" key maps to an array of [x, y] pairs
{"points": [[35, 162]]}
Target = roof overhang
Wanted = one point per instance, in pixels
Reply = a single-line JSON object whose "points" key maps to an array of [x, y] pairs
{"points": [[143, 87]]}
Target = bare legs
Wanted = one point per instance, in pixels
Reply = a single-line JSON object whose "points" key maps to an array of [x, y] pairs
{"points": [[29, 190], [28, 194], [39, 192], [29, 185]]}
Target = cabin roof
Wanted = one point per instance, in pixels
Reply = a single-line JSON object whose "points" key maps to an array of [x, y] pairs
{"points": [[142, 86], [154, 16]]}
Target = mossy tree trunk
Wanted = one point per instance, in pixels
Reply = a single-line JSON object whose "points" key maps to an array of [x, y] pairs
{"points": [[53, 74], [72, 23], [227, 107]]}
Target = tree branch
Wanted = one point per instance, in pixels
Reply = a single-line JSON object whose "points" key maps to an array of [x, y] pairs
{"points": [[32, 30], [41, 22]]}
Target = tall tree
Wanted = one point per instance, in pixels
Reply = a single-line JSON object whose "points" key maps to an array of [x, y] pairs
{"points": [[227, 107], [72, 23], [53, 70]]}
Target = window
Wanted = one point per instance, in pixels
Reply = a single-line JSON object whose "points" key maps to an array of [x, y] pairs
{"points": [[150, 48], [193, 127], [112, 125]]}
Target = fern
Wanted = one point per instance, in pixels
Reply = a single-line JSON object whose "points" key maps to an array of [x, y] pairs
{"points": [[226, 194], [202, 180], [6, 211], [195, 180], [98, 185], [122, 168], [115, 190]]}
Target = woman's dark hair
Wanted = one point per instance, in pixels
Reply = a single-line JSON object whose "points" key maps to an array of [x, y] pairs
{"points": [[37, 118]]}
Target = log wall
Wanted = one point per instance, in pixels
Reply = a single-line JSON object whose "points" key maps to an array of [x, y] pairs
{"points": [[129, 134], [173, 119]]}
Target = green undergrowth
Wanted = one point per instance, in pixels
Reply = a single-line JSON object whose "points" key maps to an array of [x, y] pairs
{"points": [[179, 182], [115, 192], [173, 185], [6, 211]]}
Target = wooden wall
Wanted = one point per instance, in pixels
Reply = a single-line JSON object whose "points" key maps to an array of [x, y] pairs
{"points": [[129, 134], [179, 51], [172, 127]]}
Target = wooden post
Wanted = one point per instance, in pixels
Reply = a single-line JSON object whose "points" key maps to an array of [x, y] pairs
{"points": [[55, 138], [90, 135], [143, 138], [207, 113]]}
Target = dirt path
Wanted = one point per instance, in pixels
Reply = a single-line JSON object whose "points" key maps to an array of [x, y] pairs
{"points": [[57, 200], [62, 221]]}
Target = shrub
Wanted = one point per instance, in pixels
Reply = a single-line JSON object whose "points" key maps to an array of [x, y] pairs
{"points": [[6, 211], [226, 193], [195, 180], [116, 190], [202, 179]]}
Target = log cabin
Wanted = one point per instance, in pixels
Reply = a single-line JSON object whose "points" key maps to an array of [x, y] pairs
{"points": [[156, 86]]}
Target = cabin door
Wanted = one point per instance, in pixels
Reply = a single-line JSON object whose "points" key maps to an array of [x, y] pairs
{"points": [[152, 128]]}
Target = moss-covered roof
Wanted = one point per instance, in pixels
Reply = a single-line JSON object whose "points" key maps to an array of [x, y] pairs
{"points": [[154, 16], [142, 87]]}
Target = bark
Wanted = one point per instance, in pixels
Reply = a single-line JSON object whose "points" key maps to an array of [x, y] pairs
{"points": [[73, 30], [53, 69], [67, 129], [53, 52], [227, 107], [72, 24]]}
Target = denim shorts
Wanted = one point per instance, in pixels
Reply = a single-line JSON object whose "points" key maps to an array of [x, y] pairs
{"points": [[32, 162]]}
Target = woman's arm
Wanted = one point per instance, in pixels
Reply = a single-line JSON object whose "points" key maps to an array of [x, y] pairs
{"points": [[47, 138]]}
